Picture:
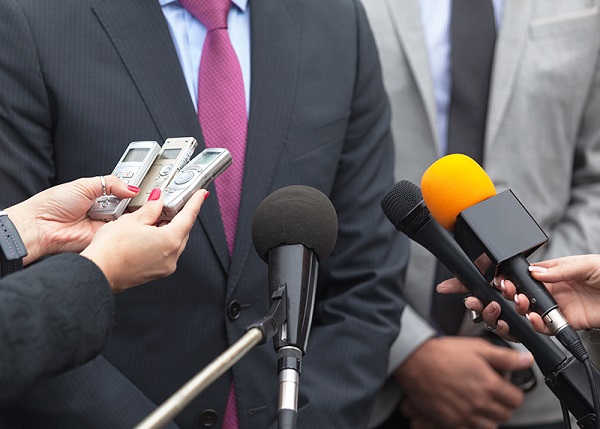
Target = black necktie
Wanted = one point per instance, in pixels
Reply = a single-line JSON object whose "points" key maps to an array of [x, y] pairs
{"points": [[473, 34]]}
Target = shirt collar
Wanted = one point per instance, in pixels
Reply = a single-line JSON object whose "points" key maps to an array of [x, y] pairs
{"points": [[241, 4]]}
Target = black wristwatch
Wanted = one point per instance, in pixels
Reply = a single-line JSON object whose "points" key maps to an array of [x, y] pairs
{"points": [[13, 249]]}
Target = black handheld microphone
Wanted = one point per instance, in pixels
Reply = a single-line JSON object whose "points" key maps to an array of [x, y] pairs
{"points": [[293, 230], [404, 207], [495, 228]]}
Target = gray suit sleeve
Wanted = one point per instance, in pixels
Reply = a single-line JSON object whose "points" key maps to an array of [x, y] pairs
{"points": [[415, 331]]}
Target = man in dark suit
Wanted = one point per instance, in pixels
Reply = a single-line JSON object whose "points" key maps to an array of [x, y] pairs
{"points": [[80, 80]]}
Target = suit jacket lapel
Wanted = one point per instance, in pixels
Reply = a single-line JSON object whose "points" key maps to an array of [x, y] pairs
{"points": [[510, 46], [406, 16], [141, 36], [274, 66]]}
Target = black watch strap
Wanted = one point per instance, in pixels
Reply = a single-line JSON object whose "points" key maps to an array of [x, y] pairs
{"points": [[13, 249]]}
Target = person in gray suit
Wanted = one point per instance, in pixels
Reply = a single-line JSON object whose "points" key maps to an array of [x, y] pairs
{"points": [[80, 80], [542, 140]]}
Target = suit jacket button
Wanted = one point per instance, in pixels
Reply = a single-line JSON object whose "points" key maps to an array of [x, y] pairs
{"points": [[208, 418], [234, 309]]}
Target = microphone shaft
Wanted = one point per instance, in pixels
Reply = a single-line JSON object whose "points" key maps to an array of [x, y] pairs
{"points": [[180, 399], [441, 244], [516, 270], [289, 363]]}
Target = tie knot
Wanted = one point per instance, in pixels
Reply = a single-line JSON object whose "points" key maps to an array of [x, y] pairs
{"points": [[211, 13]]}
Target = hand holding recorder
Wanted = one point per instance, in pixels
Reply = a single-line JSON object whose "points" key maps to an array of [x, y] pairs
{"points": [[132, 250], [198, 174], [55, 220], [131, 169], [173, 156], [146, 165]]}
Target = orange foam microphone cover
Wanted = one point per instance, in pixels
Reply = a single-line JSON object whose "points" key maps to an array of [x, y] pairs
{"points": [[452, 184]]}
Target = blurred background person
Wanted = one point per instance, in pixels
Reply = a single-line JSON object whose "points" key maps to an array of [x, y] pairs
{"points": [[514, 84]]}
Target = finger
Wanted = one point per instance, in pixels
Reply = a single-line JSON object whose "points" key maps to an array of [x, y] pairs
{"points": [[565, 269], [452, 285], [185, 219], [486, 423], [149, 213], [94, 187], [506, 397], [503, 331], [538, 323], [496, 411], [505, 359], [491, 313], [565, 260], [508, 288], [521, 303], [117, 187], [473, 304]]}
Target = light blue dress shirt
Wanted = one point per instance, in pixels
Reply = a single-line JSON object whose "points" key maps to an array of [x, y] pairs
{"points": [[435, 18], [188, 36]]}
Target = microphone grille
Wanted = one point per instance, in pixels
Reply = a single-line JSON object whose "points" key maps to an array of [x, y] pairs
{"points": [[295, 214], [452, 184], [400, 201]]}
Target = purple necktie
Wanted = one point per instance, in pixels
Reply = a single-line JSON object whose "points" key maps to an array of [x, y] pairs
{"points": [[222, 105], [223, 118]]}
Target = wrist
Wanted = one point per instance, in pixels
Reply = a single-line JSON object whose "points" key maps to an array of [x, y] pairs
{"points": [[411, 368], [28, 230], [12, 248], [100, 261]]}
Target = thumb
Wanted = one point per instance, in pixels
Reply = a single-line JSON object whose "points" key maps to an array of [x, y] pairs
{"points": [[505, 359], [148, 214]]}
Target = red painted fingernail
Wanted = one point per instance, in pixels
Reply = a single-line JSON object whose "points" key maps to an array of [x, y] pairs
{"points": [[154, 195], [206, 195], [133, 188]]}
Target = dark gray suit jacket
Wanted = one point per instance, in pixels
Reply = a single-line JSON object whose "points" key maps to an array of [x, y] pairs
{"points": [[81, 79]]}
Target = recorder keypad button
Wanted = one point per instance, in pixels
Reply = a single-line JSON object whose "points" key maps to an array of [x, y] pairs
{"points": [[166, 169], [184, 177]]}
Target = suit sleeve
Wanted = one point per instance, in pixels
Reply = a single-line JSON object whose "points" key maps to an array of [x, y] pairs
{"points": [[26, 164], [358, 309], [54, 316]]}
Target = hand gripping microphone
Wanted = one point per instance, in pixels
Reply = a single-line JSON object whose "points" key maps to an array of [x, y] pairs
{"points": [[494, 230], [404, 207], [293, 230], [566, 377]]}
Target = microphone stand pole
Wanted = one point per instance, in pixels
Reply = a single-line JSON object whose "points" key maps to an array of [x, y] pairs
{"points": [[257, 333]]}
